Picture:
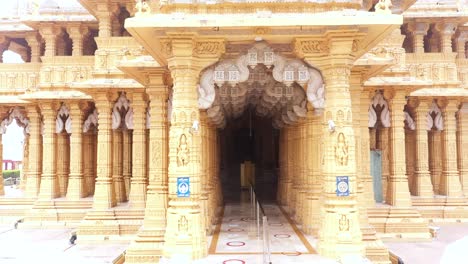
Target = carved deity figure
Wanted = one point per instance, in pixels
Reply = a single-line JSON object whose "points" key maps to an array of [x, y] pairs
{"points": [[182, 151], [183, 224], [343, 223], [142, 7], [341, 150], [383, 6]]}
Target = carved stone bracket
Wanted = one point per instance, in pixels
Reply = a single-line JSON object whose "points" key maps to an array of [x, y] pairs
{"points": [[303, 47], [17, 114], [63, 120], [122, 105], [379, 100], [434, 117]]}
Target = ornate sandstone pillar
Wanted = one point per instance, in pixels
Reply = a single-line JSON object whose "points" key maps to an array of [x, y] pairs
{"points": [[463, 146], [127, 160], [340, 233], [117, 168], [301, 173], [418, 30], [76, 183], [34, 151], [139, 175], [149, 242], [35, 45], [49, 33], [446, 31], [49, 186], [63, 159], [203, 130], [313, 145], [423, 185], [2, 191], [397, 191], [104, 194], [185, 233], [450, 181], [384, 145], [77, 33], [435, 154]]}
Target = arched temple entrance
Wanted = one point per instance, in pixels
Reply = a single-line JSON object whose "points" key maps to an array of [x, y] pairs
{"points": [[249, 98]]}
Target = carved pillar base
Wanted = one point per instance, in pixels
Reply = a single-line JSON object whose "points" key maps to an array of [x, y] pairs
{"points": [[399, 223], [179, 214], [99, 225]]}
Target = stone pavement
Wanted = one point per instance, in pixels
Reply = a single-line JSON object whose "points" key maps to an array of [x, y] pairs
{"points": [[20, 246], [449, 247]]}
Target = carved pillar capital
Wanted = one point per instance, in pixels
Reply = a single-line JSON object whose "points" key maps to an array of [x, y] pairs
{"points": [[77, 33], [418, 28], [446, 31], [418, 31]]}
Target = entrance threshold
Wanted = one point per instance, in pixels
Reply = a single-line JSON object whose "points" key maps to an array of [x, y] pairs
{"points": [[235, 239]]}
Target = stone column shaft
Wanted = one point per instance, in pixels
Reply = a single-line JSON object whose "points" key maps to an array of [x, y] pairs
{"points": [[63, 157], [450, 181], [117, 168], [104, 194], [418, 31], [397, 188], [423, 185], [367, 179], [34, 152], [150, 239], [384, 144], [76, 183], [35, 45], [139, 176], [49, 186], [340, 232], [185, 233], [446, 31], [77, 33], [435, 153], [127, 160], [2, 191], [463, 146]]}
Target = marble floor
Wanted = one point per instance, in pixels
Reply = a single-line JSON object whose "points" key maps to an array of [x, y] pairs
{"points": [[237, 239]]}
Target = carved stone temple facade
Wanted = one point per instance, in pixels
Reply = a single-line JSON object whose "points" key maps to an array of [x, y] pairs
{"points": [[120, 99]]}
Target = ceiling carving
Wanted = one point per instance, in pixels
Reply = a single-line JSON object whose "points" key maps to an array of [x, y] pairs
{"points": [[262, 79]]}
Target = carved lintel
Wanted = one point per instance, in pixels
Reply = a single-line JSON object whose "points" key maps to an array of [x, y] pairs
{"points": [[303, 47], [209, 48]]}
